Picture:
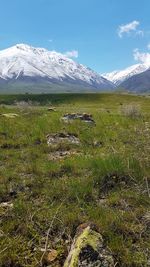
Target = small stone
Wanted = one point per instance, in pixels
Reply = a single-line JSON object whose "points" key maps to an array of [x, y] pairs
{"points": [[50, 256], [51, 109], [97, 143], [37, 141]]}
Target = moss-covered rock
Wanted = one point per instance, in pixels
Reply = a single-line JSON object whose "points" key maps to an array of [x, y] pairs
{"points": [[88, 249]]}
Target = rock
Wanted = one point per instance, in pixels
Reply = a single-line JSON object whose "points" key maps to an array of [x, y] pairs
{"points": [[50, 256], [58, 155], [81, 116], [51, 109], [103, 202], [6, 205], [37, 141], [10, 146], [58, 138], [88, 249], [10, 115], [146, 219], [113, 181], [97, 144]]}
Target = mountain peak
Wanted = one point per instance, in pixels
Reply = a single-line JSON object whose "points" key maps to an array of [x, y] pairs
{"points": [[27, 48], [25, 63], [117, 77], [38, 51], [23, 46]]}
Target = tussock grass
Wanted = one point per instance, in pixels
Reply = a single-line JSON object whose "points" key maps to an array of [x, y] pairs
{"points": [[132, 111]]}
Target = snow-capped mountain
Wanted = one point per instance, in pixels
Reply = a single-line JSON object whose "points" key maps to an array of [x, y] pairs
{"points": [[118, 77], [139, 83], [25, 64]]}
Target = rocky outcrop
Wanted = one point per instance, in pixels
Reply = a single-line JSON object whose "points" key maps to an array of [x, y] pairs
{"points": [[80, 116], [58, 138], [88, 249]]}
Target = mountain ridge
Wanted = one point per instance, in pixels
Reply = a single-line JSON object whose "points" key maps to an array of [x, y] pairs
{"points": [[139, 83], [26, 64], [118, 77]]}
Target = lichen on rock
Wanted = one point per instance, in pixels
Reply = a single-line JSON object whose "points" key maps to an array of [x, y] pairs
{"points": [[88, 250], [78, 116], [59, 138]]}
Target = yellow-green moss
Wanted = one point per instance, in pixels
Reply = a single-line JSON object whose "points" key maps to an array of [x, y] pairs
{"points": [[88, 237]]}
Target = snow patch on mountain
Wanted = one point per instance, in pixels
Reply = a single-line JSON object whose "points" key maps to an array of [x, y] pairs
{"points": [[117, 77], [22, 61]]}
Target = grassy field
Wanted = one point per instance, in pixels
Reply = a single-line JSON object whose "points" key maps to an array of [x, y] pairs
{"points": [[105, 181]]}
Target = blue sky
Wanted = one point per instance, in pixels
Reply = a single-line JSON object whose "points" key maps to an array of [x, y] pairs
{"points": [[102, 33]]}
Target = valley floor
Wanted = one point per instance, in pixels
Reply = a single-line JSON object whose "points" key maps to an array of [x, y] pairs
{"points": [[48, 190]]}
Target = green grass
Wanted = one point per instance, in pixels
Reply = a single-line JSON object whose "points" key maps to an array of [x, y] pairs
{"points": [[106, 184]]}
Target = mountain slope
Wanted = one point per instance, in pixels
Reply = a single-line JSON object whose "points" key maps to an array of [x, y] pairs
{"points": [[23, 65], [118, 77], [139, 83]]}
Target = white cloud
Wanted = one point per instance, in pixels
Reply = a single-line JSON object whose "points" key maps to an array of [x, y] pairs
{"points": [[73, 53], [128, 28], [141, 56]]}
